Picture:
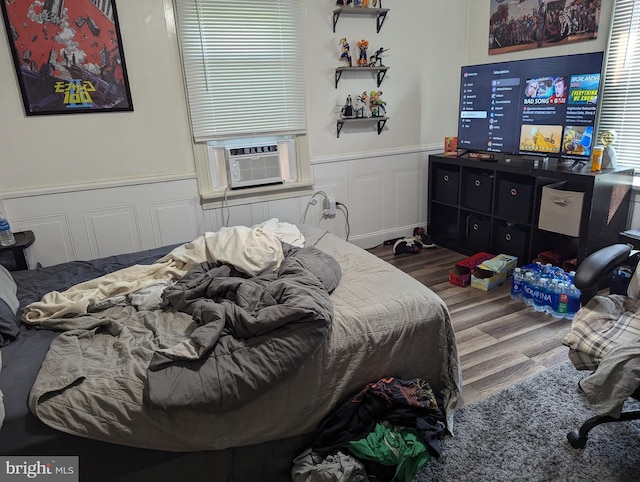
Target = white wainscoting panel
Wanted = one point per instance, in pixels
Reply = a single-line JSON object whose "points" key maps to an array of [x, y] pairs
{"points": [[57, 233], [385, 196], [112, 231], [88, 223], [176, 221]]}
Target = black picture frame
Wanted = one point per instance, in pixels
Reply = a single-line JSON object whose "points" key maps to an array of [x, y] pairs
{"points": [[68, 56]]}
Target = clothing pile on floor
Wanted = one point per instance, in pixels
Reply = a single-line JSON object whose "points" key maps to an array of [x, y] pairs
{"points": [[388, 431]]}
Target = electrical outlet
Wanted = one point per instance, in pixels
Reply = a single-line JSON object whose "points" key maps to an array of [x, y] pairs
{"points": [[329, 207]]}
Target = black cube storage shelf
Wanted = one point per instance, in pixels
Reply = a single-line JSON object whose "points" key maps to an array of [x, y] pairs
{"points": [[476, 205]]}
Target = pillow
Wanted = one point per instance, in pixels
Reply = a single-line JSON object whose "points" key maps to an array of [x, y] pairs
{"points": [[8, 307]]}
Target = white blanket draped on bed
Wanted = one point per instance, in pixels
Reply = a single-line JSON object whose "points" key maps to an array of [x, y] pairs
{"points": [[250, 250]]}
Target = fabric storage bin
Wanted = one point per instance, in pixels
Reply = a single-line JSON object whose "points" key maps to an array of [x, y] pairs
{"points": [[512, 240], [477, 189], [561, 208], [445, 184], [477, 232], [514, 200]]}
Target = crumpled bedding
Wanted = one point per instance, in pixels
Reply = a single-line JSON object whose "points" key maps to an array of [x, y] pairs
{"points": [[256, 332], [385, 323], [250, 250]]}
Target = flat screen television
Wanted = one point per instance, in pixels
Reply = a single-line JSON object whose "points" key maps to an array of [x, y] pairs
{"points": [[536, 107]]}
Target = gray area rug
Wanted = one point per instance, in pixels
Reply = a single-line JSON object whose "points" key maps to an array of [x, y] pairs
{"points": [[520, 434]]}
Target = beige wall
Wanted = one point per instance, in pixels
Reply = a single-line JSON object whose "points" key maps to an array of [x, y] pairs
{"points": [[427, 47]]}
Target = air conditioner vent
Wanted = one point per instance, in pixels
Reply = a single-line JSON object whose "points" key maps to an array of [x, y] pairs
{"points": [[253, 166]]}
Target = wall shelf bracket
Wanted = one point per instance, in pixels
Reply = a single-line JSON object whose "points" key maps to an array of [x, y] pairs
{"points": [[380, 13], [380, 121]]}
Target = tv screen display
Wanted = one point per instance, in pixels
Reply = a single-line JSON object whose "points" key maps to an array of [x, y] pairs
{"points": [[543, 107]]}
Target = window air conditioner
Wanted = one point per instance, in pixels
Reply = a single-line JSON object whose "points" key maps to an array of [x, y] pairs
{"points": [[253, 166]]}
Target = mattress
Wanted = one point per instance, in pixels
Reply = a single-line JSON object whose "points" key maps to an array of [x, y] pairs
{"points": [[385, 324]]}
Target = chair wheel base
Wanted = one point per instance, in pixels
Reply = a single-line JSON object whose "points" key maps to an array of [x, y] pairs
{"points": [[576, 440]]}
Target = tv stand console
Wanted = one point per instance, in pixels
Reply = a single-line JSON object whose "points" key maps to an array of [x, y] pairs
{"points": [[475, 205]]}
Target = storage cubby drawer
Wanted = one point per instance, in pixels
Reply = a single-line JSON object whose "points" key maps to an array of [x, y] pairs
{"points": [[513, 240], [477, 190], [514, 199], [445, 184], [477, 232]]}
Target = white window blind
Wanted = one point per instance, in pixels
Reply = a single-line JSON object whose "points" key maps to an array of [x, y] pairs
{"points": [[243, 67], [620, 106]]}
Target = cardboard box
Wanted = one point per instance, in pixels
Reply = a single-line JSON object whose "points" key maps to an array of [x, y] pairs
{"points": [[485, 279], [460, 275], [561, 209]]}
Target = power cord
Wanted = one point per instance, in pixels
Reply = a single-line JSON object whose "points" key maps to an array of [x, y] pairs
{"points": [[225, 203], [346, 218], [313, 202]]}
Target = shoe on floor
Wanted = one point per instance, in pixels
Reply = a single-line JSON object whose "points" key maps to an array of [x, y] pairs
{"points": [[407, 246], [420, 236]]}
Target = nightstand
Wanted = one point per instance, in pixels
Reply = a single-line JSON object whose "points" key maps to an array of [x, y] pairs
{"points": [[24, 239]]}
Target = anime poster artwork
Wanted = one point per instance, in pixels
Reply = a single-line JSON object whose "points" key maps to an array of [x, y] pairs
{"points": [[68, 55], [529, 24]]}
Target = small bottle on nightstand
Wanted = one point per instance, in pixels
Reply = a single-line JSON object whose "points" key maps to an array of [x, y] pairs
{"points": [[6, 236]]}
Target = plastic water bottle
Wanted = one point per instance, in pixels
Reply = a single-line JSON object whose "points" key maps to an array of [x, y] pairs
{"points": [[560, 300], [6, 236], [540, 292], [528, 287], [573, 302], [517, 281]]}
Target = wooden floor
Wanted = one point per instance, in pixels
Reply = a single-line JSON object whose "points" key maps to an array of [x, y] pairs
{"points": [[500, 341]]}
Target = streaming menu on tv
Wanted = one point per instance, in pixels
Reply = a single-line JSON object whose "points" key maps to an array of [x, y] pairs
{"points": [[544, 106]]}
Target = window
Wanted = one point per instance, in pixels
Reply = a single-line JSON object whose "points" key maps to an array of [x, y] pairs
{"points": [[243, 69], [620, 106]]}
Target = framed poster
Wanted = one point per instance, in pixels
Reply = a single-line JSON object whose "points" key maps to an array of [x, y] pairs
{"points": [[529, 24], [67, 55]]}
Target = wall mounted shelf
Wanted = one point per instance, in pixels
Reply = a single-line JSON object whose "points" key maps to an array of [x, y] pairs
{"points": [[380, 72], [381, 121], [379, 13]]}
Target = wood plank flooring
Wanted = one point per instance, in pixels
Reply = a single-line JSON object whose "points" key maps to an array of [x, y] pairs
{"points": [[500, 341]]}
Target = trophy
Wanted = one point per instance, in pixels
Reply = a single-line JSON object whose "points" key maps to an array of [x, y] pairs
{"points": [[609, 155]]}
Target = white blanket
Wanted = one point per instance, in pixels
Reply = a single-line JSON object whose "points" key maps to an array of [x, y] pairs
{"points": [[250, 250]]}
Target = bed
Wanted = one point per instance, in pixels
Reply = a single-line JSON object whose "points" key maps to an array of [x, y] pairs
{"points": [[380, 322]]}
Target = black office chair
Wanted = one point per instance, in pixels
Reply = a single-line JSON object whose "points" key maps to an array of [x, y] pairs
{"points": [[611, 266]]}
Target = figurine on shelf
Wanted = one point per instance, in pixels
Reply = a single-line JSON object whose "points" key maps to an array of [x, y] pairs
{"points": [[363, 45], [376, 104], [347, 109], [609, 160], [377, 57], [362, 106], [346, 54], [343, 3]]}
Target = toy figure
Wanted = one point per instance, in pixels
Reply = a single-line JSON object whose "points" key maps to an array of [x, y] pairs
{"points": [[376, 104], [347, 109], [609, 156], [346, 55], [343, 3], [377, 57], [363, 45], [357, 3], [362, 106]]}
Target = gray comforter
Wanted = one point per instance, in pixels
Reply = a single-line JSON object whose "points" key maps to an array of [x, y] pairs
{"points": [[252, 333], [95, 378]]}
